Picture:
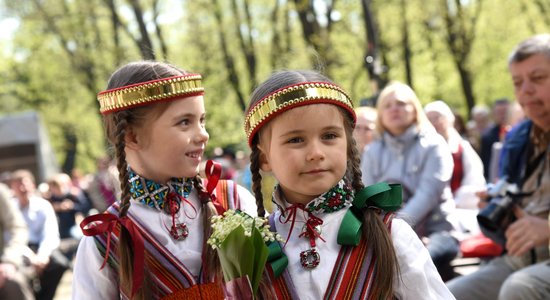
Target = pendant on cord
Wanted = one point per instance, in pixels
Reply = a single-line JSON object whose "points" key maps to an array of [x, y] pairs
{"points": [[179, 231], [310, 259]]}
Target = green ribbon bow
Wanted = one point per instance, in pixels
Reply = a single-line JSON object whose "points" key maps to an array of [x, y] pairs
{"points": [[276, 258], [385, 196]]}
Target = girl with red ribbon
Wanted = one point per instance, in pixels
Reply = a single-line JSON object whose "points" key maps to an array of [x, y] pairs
{"points": [[341, 242], [151, 244]]}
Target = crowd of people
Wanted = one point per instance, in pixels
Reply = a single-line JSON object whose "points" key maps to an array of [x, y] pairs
{"points": [[435, 171]]}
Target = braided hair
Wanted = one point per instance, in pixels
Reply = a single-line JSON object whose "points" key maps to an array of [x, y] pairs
{"points": [[374, 230], [117, 125]]}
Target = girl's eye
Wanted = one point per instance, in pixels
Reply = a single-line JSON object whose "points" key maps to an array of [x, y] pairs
{"points": [[329, 136], [538, 78], [184, 122], [203, 121], [295, 140]]}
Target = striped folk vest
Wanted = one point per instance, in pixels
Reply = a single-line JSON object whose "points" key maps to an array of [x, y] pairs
{"points": [[171, 279], [352, 274]]}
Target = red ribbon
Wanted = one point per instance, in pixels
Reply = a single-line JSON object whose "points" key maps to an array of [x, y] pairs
{"points": [[213, 173], [311, 222], [106, 224]]}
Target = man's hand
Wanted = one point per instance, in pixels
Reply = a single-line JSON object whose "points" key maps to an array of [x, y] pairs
{"points": [[483, 199], [6, 271], [526, 233]]}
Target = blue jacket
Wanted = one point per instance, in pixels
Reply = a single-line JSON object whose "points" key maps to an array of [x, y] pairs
{"points": [[513, 155]]}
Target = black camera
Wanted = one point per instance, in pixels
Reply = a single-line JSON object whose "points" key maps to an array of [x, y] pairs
{"points": [[498, 214]]}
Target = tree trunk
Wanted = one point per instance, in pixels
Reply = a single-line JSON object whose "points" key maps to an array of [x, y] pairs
{"points": [[466, 81], [373, 63], [406, 46], [145, 44], [229, 61]]}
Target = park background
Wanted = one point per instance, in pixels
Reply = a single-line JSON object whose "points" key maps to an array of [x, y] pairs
{"points": [[57, 55]]}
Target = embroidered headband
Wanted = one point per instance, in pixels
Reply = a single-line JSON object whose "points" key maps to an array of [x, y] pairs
{"points": [[292, 96], [150, 91]]}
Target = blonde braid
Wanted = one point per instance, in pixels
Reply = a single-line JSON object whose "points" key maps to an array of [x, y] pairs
{"points": [[125, 249], [213, 267], [257, 179]]}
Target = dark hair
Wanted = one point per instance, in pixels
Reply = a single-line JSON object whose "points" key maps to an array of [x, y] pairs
{"points": [[374, 229], [537, 44], [116, 125]]}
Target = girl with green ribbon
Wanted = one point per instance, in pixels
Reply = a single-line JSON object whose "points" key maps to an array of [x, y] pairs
{"points": [[340, 238]]}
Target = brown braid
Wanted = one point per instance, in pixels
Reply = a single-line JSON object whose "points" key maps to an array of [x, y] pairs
{"points": [[117, 126], [354, 164], [211, 261], [257, 178], [374, 229], [125, 248]]}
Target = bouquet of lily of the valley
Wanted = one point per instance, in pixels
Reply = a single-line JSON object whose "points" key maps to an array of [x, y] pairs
{"points": [[240, 241]]}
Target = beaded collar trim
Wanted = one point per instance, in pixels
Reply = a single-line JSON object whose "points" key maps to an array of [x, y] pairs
{"points": [[151, 91], [154, 195], [338, 197], [293, 96]]}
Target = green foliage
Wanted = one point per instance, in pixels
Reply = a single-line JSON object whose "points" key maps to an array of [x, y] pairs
{"points": [[63, 52]]}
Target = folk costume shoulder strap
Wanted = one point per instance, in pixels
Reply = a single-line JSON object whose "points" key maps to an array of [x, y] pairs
{"points": [[223, 193], [352, 275], [172, 276]]}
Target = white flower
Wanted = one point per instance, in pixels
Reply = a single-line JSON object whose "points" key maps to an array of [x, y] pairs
{"points": [[222, 226]]}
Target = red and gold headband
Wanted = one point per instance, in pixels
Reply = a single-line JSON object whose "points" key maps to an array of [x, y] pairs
{"points": [[150, 91], [301, 94]]}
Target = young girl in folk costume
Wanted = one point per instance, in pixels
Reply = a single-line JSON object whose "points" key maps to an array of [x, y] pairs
{"points": [[154, 116], [341, 243]]}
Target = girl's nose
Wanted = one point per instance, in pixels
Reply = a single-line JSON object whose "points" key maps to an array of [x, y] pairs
{"points": [[315, 152], [202, 136]]}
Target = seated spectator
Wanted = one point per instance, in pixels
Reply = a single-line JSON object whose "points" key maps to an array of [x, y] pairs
{"points": [[467, 178], [523, 272], [104, 189], [41, 257], [411, 153], [66, 205], [494, 134], [363, 133], [13, 241]]}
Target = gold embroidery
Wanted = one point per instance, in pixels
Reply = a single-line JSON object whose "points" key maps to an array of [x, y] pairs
{"points": [[150, 91]]}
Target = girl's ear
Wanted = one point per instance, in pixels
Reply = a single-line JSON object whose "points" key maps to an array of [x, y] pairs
{"points": [[264, 161], [131, 139]]}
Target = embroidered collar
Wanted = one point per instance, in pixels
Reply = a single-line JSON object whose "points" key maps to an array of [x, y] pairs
{"points": [[154, 194], [338, 197]]}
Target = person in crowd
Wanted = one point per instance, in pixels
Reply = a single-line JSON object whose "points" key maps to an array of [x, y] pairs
{"points": [[300, 128], [410, 152], [460, 125], [363, 133], [152, 243], [66, 204], [42, 256], [14, 283], [523, 272], [104, 188], [494, 134], [479, 123], [467, 178]]}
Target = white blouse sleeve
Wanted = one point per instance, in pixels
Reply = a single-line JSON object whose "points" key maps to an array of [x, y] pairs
{"points": [[418, 277], [247, 201], [88, 281]]}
